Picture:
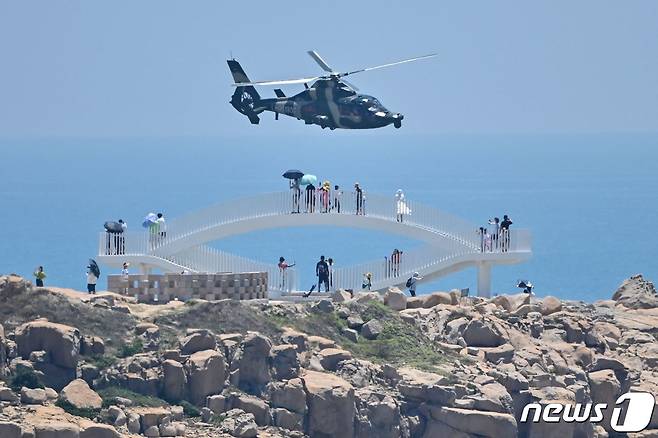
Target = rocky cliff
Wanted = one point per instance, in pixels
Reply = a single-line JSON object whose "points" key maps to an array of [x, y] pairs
{"points": [[371, 365]]}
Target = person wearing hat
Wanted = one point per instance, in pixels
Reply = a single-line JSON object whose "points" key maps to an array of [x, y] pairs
{"points": [[325, 196], [411, 283], [359, 198]]}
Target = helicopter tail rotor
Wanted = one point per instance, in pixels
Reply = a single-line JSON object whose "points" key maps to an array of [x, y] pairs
{"points": [[245, 98]]}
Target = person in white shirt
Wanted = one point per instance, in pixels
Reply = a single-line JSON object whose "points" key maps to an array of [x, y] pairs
{"points": [[91, 282], [412, 282], [162, 226]]}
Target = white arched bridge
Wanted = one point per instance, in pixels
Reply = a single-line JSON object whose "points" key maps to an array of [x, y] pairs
{"points": [[451, 244]]}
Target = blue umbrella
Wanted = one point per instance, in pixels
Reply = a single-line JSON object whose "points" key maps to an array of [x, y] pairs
{"points": [[309, 179], [150, 219]]}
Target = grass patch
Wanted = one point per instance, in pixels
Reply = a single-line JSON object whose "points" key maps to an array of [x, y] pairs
{"points": [[399, 344], [24, 377], [135, 347], [102, 361], [70, 409], [110, 393]]}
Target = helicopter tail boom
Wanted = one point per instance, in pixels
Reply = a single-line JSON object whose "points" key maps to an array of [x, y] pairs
{"points": [[245, 99]]}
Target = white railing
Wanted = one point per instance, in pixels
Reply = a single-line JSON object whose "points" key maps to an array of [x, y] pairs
{"points": [[210, 260], [282, 203], [461, 237], [389, 271]]}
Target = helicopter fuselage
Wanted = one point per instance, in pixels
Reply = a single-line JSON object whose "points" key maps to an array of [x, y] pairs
{"points": [[331, 104]]}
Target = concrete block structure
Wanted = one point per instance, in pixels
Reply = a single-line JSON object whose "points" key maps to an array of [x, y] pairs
{"points": [[162, 288]]}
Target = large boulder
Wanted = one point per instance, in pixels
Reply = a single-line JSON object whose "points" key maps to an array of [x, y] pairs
{"points": [[80, 395], [3, 352], [372, 329], [423, 387], [253, 405], [61, 342], [239, 423], [56, 429], [252, 361], [378, 415], [331, 357], [479, 334], [636, 293], [285, 363], [331, 407], [199, 340], [174, 380], [605, 388], [289, 395], [436, 298], [207, 373], [511, 302], [36, 396], [550, 305], [480, 423], [89, 429], [10, 430], [395, 299]]}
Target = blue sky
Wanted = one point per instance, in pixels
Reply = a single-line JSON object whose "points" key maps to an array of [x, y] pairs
{"points": [[157, 68]]}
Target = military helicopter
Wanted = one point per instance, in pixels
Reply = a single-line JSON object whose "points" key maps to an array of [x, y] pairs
{"points": [[330, 102]]}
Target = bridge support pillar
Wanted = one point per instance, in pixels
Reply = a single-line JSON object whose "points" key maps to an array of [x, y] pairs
{"points": [[484, 279]]}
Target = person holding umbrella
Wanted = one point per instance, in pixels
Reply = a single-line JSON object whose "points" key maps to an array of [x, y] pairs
{"points": [[39, 275], [93, 272], [295, 177], [151, 223]]}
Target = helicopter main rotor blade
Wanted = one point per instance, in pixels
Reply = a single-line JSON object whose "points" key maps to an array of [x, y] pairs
{"points": [[320, 61], [349, 84], [278, 82], [418, 58]]}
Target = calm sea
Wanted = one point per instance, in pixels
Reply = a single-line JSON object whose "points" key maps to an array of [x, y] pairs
{"points": [[590, 200]]}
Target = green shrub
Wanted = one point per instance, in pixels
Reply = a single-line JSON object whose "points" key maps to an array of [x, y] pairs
{"points": [[102, 361], [110, 393], [69, 408], [24, 377], [189, 409], [135, 347]]}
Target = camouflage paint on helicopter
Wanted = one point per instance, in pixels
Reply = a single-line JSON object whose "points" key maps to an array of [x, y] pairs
{"points": [[330, 102]]}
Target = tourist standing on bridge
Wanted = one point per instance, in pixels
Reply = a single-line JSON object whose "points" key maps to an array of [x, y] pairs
{"points": [[162, 226], [283, 272], [395, 261], [322, 272], [296, 194], [338, 193], [504, 227], [359, 199], [495, 232], [310, 198], [325, 196], [401, 208], [39, 275]]}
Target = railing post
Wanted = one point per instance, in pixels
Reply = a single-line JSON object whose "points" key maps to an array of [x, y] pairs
{"points": [[484, 279]]}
